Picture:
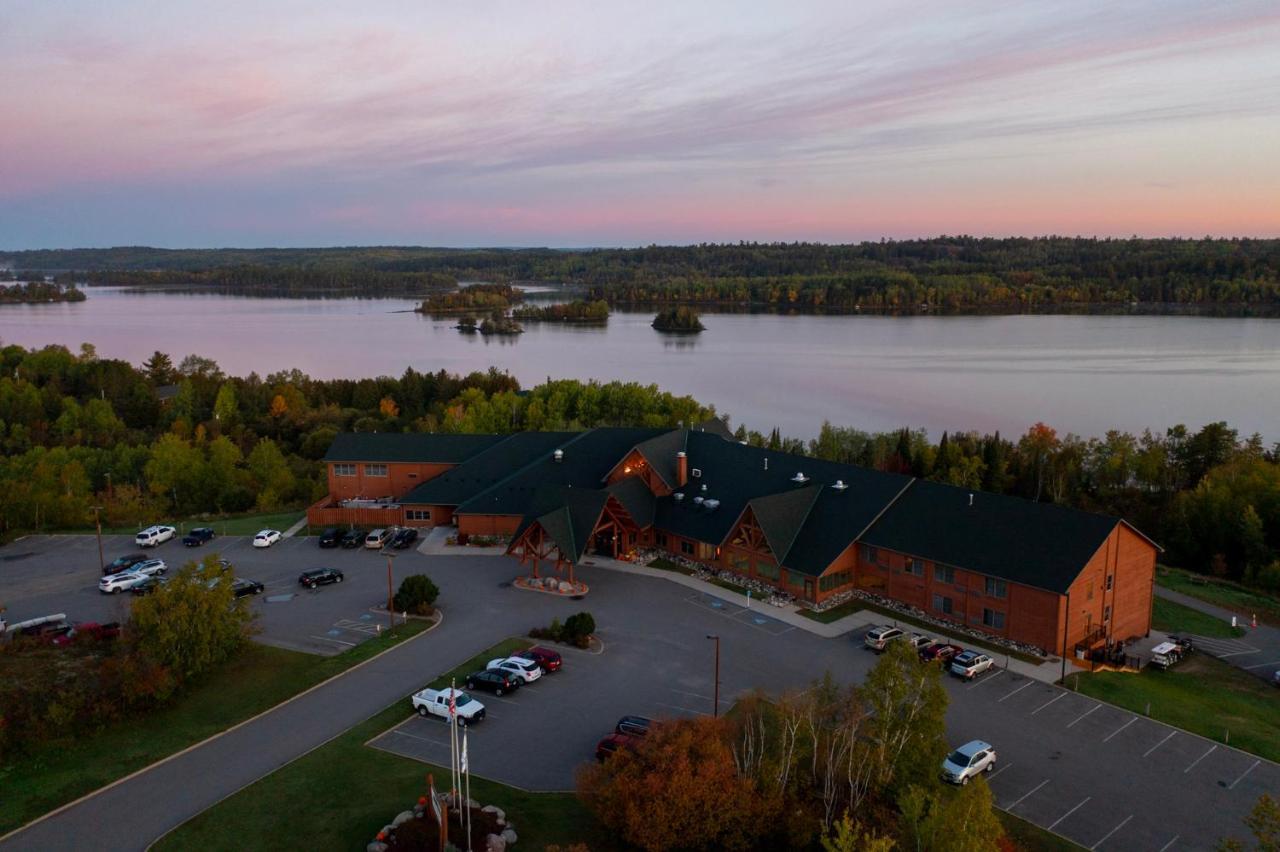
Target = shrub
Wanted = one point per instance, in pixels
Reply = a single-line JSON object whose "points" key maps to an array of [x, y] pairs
{"points": [[417, 595], [576, 630]]}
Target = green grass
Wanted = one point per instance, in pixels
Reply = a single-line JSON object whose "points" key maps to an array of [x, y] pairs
{"points": [[351, 790], [668, 565], [234, 525], [55, 773], [1202, 695], [1033, 838], [835, 613], [459, 673], [1221, 593], [1173, 617]]}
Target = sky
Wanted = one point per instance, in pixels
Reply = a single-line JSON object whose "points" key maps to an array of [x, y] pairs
{"points": [[627, 123]]}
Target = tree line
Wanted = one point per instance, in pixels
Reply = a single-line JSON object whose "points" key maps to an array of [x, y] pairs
{"points": [[579, 310], [29, 292], [272, 280]]}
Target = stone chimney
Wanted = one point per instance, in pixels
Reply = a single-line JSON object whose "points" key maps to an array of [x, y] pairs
{"points": [[682, 469]]}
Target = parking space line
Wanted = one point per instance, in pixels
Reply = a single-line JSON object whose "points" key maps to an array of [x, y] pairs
{"points": [[683, 709], [1016, 691], [1119, 729], [1262, 665], [1122, 824], [1211, 750], [331, 639], [1028, 795], [1162, 742], [993, 775], [988, 678], [1047, 703], [1238, 653], [1069, 813], [1246, 772], [1082, 715], [1170, 843], [419, 739]]}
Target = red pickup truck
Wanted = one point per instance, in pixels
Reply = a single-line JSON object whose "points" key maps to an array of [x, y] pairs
{"points": [[88, 631]]}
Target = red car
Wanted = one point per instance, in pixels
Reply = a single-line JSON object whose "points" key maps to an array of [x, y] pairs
{"points": [[88, 631], [613, 742], [939, 652], [547, 659]]}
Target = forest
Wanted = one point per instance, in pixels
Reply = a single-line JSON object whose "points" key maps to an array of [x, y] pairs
{"points": [[941, 273], [77, 431], [576, 311], [39, 291], [273, 280]]}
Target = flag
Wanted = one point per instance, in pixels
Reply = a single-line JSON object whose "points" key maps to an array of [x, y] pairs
{"points": [[463, 765], [435, 803], [453, 707]]}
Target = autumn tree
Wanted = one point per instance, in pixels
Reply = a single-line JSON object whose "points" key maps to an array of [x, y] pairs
{"points": [[1038, 446], [907, 705], [1264, 824], [678, 789], [960, 820], [388, 408], [849, 836]]}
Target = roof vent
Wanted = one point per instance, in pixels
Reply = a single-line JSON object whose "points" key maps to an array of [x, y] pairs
{"points": [[698, 499], [558, 455], [970, 498], [839, 486], [743, 443], [696, 472], [710, 505], [799, 477], [766, 463], [704, 487], [679, 495]]}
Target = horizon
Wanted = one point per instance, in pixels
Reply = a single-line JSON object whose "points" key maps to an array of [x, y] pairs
{"points": [[569, 125]]}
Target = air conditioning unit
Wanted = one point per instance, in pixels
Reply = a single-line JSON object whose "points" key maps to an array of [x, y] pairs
{"points": [[710, 505], [696, 473], [840, 485], [698, 499]]}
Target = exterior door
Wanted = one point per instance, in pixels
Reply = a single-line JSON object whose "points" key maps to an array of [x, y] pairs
{"points": [[808, 589]]}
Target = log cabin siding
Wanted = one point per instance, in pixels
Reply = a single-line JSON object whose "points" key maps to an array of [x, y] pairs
{"points": [[401, 478]]}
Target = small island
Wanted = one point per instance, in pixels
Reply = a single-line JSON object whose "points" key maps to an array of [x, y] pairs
{"points": [[579, 311], [477, 297], [681, 320], [497, 324], [38, 292]]}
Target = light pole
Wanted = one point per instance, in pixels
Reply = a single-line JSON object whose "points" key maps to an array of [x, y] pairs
{"points": [[716, 690], [97, 521], [391, 608]]}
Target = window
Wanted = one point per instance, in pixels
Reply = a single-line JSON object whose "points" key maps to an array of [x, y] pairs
{"points": [[417, 514], [834, 581], [662, 539], [942, 604], [344, 470], [686, 547], [1106, 613], [915, 567], [767, 570], [996, 588], [1110, 580], [993, 618], [944, 574], [697, 474], [706, 551], [795, 579], [741, 564], [375, 470], [870, 554]]}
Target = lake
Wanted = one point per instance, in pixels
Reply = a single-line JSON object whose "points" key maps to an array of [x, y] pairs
{"points": [[1078, 373]]}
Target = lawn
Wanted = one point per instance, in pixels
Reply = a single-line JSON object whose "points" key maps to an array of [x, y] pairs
{"points": [[236, 525], [352, 790], [261, 677], [1031, 837], [668, 565], [1173, 617], [835, 613], [1202, 695], [1222, 593]]}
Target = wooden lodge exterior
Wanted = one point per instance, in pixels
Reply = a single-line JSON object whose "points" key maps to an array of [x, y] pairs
{"points": [[1047, 576]]}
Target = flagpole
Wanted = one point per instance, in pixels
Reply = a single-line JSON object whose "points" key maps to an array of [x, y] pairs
{"points": [[467, 795]]}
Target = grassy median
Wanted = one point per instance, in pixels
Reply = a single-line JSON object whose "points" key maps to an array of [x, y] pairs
{"points": [[1173, 617], [1202, 695], [1223, 593], [55, 773], [351, 790]]}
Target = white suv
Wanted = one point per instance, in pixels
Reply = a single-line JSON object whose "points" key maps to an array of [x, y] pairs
{"points": [[967, 761], [526, 670], [970, 664], [114, 583], [878, 638], [377, 539], [152, 536]]}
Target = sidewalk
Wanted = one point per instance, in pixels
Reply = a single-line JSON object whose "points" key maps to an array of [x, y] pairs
{"points": [[1047, 672], [1257, 652]]}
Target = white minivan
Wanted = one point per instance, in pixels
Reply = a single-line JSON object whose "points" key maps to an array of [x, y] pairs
{"points": [[377, 539], [152, 536]]}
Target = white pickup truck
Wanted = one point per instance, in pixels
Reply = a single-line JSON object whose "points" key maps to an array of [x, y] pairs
{"points": [[435, 702]]}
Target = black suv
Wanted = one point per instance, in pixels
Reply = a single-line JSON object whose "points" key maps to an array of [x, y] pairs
{"points": [[198, 536], [320, 577], [404, 537], [492, 680], [124, 563], [353, 538], [241, 587], [330, 537]]}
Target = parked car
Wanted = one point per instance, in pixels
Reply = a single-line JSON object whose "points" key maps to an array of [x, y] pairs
{"points": [[918, 641], [122, 582], [878, 638], [150, 567], [435, 702], [154, 535], [636, 726], [266, 538], [353, 538], [149, 585], [967, 761], [44, 628], [241, 587], [494, 680], [124, 563], [940, 652], [377, 539], [198, 536], [320, 577], [970, 664], [548, 660], [526, 670], [330, 537], [404, 537], [614, 742], [88, 631]]}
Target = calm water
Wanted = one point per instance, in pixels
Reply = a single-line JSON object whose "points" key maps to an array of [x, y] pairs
{"points": [[1085, 374]]}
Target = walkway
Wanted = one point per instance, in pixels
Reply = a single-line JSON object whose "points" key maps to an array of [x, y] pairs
{"points": [[1257, 652]]}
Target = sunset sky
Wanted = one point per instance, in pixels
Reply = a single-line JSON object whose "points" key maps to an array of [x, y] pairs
{"points": [[588, 123]]}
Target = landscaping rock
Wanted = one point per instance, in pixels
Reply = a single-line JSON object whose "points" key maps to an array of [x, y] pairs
{"points": [[494, 843], [496, 811], [565, 587], [376, 846], [509, 835], [402, 818]]}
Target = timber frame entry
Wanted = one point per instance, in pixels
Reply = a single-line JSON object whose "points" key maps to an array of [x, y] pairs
{"points": [[536, 544]]}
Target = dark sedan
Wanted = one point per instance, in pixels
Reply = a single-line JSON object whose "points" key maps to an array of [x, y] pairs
{"points": [[613, 742], [320, 577], [198, 536], [242, 587], [148, 585], [330, 537], [404, 537], [353, 538], [124, 563], [547, 659], [492, 680]]}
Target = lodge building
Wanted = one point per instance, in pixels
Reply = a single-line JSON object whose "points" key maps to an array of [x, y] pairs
{"points": [[1044, 575]]}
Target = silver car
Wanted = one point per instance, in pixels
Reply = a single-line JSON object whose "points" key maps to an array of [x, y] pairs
{"points": [[967, 761], [116, 583]]}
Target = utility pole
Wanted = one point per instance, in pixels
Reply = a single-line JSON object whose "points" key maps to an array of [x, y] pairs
{"points": [[716, 710], [97, 520], [391, 608]]}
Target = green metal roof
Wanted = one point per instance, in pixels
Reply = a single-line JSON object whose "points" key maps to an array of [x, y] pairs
{"points": [[424, 447], [486, 469]]}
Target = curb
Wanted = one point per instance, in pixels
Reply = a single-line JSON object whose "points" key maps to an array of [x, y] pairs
{"points": [[15, 832]]}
